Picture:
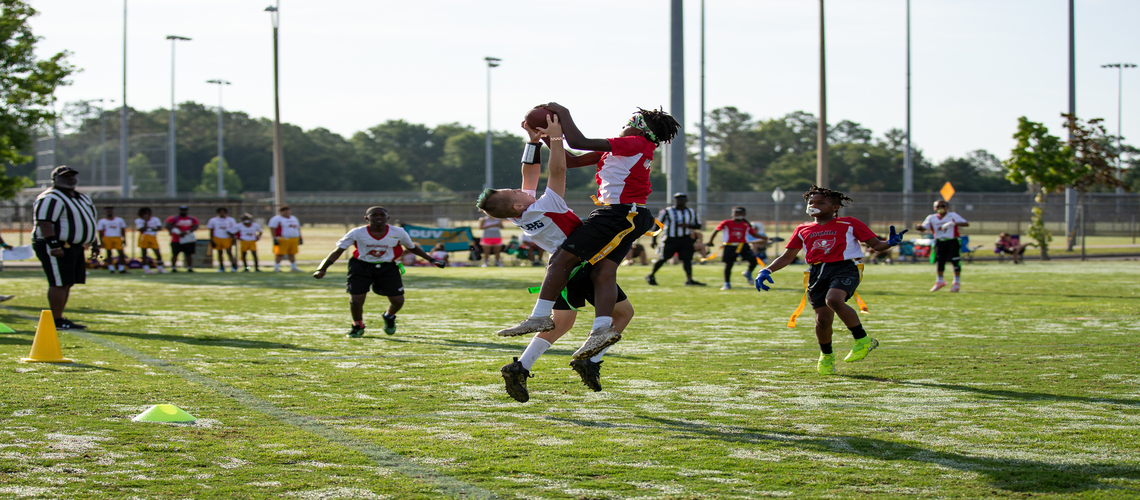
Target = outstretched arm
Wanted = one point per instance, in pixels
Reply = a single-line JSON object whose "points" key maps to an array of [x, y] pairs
{"points": [[574, 137], [435, 262], [783, 260], [556, 176], [328, 262], [531, 171]]}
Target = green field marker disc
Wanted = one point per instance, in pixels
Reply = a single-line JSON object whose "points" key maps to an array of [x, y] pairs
{"points": [[5, 329], [164, 413]]}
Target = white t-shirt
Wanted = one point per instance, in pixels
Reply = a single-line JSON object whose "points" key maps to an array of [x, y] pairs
{"points": [[111, 228], [221, 227], [376, 248], [150, 227], [547, 221], [247, 233], [934, 223], [285, 227], [758, 228]]}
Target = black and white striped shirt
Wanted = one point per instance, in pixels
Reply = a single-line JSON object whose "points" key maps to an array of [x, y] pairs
{"points": [[677, 221], [73, 217]]}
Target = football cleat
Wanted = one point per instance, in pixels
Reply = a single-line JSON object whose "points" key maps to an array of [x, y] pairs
{"points": [[389, 323], [67, 324], [747, 276], [356, 332], [651, 280], [938, 286], [955, 287], [861, 348], [727, 286], [589, 371], [826, 364], [599, 339], [514, 376], [694, 283], [529, 325]]}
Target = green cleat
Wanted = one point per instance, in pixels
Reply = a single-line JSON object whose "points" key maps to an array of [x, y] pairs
{"points": [[389, 323], [861, 348], [826, 364]]}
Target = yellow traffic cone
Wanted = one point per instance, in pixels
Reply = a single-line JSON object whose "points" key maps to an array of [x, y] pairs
{"points": [[45, 346]]}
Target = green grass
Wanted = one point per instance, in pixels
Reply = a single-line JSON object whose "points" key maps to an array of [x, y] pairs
{"points": [[1025, 384]]}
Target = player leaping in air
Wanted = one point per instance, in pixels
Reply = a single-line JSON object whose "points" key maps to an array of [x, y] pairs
{"points": [[623, 166], [547, 221], [834, 254]]}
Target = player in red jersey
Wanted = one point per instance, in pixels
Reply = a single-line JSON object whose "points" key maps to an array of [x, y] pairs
{"points": [[182, 240], [833, 252], [735, 244]]}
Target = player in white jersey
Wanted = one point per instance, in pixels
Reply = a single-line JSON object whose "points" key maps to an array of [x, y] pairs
{"points": [[247, 234], [148, 227], [943, 226], [222, 237], [286, 238], [374, 265], [111, 230], [547, 221]]}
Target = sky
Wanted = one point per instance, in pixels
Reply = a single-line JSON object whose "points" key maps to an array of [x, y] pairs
{"points": [[347, 65]]}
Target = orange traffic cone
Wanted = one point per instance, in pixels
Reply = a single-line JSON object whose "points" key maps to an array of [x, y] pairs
{"points": [[45, 346]]}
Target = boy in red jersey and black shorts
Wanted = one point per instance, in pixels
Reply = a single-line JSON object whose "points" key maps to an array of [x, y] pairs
{"points": [[603, 239], [735, 245], [834, 254]]}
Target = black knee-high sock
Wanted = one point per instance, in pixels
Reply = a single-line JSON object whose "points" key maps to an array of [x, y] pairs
{"points": [[825, 348], [728, 272], [688, 266], [656, 266], [857, 331]]}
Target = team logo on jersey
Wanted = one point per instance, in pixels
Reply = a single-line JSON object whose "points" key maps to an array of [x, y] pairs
{"points": [[825, 244]]}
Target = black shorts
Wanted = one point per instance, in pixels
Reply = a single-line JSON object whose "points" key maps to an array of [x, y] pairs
{"points": [[62, 271], [383, 278], [823, 277], [189, 248], [730, 253], [948, 251], [581, 290], [605, 223], [681, 246]]}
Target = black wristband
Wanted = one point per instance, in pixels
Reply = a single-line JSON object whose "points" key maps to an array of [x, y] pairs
{"points": [[532, 153]]}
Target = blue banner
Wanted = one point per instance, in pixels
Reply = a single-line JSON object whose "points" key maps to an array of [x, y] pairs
{"points": [[454, 239]]}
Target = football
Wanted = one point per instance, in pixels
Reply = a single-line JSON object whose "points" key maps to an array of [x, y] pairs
{"points": [[536, 118]]}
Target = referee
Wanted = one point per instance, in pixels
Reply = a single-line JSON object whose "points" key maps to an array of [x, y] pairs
{"points": [[65, 224], [679, 220]]}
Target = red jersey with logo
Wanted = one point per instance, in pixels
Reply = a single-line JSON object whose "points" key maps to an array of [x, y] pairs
{"points": [[385, 246], [834, 241], [547, 221], [735, 231], [183, 224], [623, 172]]}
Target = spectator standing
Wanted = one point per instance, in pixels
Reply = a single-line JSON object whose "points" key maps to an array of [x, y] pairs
{"points": [[222, 229], [148, 227], [65, 225], [182, 239], [492, 240], [286, 238], [111, 232], [679, 221], [248, 232]]}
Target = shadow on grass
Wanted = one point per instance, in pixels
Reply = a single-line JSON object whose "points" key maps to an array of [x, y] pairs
{"points": [[1003, 393], [76, 310], [1015, 475], [8, 339], [210, 340]]}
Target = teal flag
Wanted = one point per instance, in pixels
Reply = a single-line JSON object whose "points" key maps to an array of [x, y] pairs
{"points": [[454, 239]]}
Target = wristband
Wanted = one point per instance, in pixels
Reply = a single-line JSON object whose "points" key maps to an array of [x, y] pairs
{"points": [[531, 154]]}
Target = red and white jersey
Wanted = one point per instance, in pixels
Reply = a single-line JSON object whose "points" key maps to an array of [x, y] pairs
{"points": [[735, 231], [834, 241], [247, 233], [377, 247], [285, 227], [623, 172], [934, 223], [181, 232], [221, 227], [547, 221], [112, 228]]}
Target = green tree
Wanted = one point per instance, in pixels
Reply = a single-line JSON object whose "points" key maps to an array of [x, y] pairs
{"points": [[27, 85], [144, 177], [1042, 160], [209, 183]]}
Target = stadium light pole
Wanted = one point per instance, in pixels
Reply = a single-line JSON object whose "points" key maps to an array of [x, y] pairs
{"points": [[103, 141], [278, 151], [908, 165], [171, 157], [702, 164], [1119, 114], [221, 156], [1070, 193], [124, 182], [821, 174], [678, 173], [492, 62]]}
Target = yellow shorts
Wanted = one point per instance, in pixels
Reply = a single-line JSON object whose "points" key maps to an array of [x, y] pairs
{"points": [[112, 243], [286, 246], [148, 241], [248, 246], [221, 243]]}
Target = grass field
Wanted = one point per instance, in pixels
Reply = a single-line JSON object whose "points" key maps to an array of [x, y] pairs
{"points": [[1025, 384]]}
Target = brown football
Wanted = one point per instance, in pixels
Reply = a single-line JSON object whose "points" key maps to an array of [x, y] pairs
{"points": [[536, 118]]}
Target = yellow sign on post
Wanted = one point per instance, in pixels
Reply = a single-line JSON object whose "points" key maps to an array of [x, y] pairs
{"points": [[947, 191]]}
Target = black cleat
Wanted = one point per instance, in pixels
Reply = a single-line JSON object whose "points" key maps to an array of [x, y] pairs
{"points": [[651, 280], [356, 332], [694, 283], [515, 377], [389, 323], [589, 371], [67, 324], [189, 270]]}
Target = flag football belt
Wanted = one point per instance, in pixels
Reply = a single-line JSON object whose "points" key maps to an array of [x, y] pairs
{"points": [[617, 239], [398, 264], [536, 289], [803, 301], [739, 247]]}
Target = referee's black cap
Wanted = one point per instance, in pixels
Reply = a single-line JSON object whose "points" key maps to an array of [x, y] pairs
{"points": [[680, 195], [61, 170]]}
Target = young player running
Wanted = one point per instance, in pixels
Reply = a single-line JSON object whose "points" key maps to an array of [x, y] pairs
{"points": [[944, 224], [373, 265], [735, 245], [547, 221], [833, 252], [148, 227], [222, 238], [247, 234], [623, 166], [111, 230]]}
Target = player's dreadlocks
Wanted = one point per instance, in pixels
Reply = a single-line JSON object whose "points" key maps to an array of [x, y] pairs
{"points": [[663, 126], [835, 196]]}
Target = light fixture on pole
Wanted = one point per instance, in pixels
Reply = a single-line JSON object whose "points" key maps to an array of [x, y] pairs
{"points": [[821, 174], [1119, 114], [124, 180], [171, 156], [221, 156], [492, 62], [278, 150], [908, 160]]}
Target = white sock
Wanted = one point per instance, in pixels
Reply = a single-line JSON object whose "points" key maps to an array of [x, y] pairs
{"points": [[160, 268], [598, 357], [277, 266], [958, 279], [542, 308], [147, 268], [533, 351], [603, 322], [940, 279]]}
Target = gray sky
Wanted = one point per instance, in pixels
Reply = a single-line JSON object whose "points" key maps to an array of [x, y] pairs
{"points": [[350, 64]]}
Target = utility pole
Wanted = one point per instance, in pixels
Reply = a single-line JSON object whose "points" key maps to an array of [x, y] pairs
{"points": [[278, 149], [124, 154], [821, 174], [908, 161], [171, 155], [492, 62], [678, 172], [702, 164]]}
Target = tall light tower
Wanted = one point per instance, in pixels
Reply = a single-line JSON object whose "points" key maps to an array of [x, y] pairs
{"points": [[124, 181], [171, 156], [221, 155], [908, 165], [1070, 193], [1119, 113], [102, 141], [278, 151], [702, 163], [678, 173], [492, 62], [821, 174]]}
